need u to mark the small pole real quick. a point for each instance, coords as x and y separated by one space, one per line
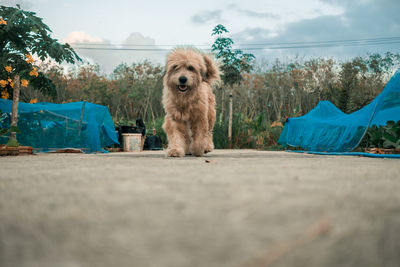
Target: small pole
230 120
14 114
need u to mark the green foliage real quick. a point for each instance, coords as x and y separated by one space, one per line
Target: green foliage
391 134
26 33
5 132
23 34
157 124
10 130
387 136
263 97
348 79
234 61
12 142
255 133
360 77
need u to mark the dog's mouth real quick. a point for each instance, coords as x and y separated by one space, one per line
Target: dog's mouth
183 87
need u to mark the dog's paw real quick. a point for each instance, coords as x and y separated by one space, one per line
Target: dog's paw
174 152
209 148
197 149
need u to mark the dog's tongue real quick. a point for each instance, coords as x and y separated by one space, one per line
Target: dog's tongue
182 87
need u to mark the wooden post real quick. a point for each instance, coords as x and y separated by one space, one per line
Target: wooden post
222 103
14 114
230 120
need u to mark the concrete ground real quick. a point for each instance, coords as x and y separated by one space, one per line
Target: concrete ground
231 208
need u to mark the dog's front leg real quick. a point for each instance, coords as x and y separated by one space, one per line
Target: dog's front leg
199 134
175 130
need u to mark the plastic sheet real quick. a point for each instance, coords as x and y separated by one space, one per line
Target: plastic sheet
327 129
49 127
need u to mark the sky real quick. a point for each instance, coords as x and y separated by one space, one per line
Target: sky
268 23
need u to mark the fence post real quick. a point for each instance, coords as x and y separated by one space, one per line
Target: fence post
230 120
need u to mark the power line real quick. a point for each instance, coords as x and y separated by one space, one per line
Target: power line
297 45
321 45
276 45
122 49
331 41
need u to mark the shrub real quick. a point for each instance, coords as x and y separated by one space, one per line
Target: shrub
387 136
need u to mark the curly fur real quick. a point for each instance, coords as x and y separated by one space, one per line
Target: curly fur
190 115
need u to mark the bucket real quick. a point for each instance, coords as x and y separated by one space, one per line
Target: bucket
132 142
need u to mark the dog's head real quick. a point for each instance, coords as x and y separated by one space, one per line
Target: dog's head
187 68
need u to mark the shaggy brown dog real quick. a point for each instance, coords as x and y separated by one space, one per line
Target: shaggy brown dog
189 102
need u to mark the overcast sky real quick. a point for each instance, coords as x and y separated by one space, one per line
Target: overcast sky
173 22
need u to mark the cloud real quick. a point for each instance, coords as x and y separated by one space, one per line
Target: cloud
253 14
95 50
81 37
216 15
206 16
360 20
261 15
136 38
138 41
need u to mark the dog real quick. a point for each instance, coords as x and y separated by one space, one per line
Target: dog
189 102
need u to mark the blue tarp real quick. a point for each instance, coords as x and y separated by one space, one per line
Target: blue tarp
328 129
360 154
49 127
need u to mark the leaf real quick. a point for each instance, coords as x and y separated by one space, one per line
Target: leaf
389 144
4 131
397 145
219 29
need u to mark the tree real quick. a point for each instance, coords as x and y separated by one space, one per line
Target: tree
234 63
22 35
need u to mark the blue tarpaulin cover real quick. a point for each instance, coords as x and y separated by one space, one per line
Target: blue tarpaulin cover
328 129
49 127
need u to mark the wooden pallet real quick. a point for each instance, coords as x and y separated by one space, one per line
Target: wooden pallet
15 151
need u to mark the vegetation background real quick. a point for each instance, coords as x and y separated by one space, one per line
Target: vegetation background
262 100
265 93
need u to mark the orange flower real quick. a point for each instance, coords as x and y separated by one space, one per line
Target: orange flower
33 72
5 94
8 68
10 82
24 83
3 83
33 101
29 58
2 21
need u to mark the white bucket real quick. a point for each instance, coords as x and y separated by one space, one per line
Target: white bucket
132 142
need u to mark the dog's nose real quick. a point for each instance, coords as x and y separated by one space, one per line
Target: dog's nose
182 79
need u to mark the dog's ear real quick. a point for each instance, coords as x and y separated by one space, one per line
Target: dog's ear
212 70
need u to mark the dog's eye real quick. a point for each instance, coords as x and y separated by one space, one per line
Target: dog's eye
174 67
190 68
